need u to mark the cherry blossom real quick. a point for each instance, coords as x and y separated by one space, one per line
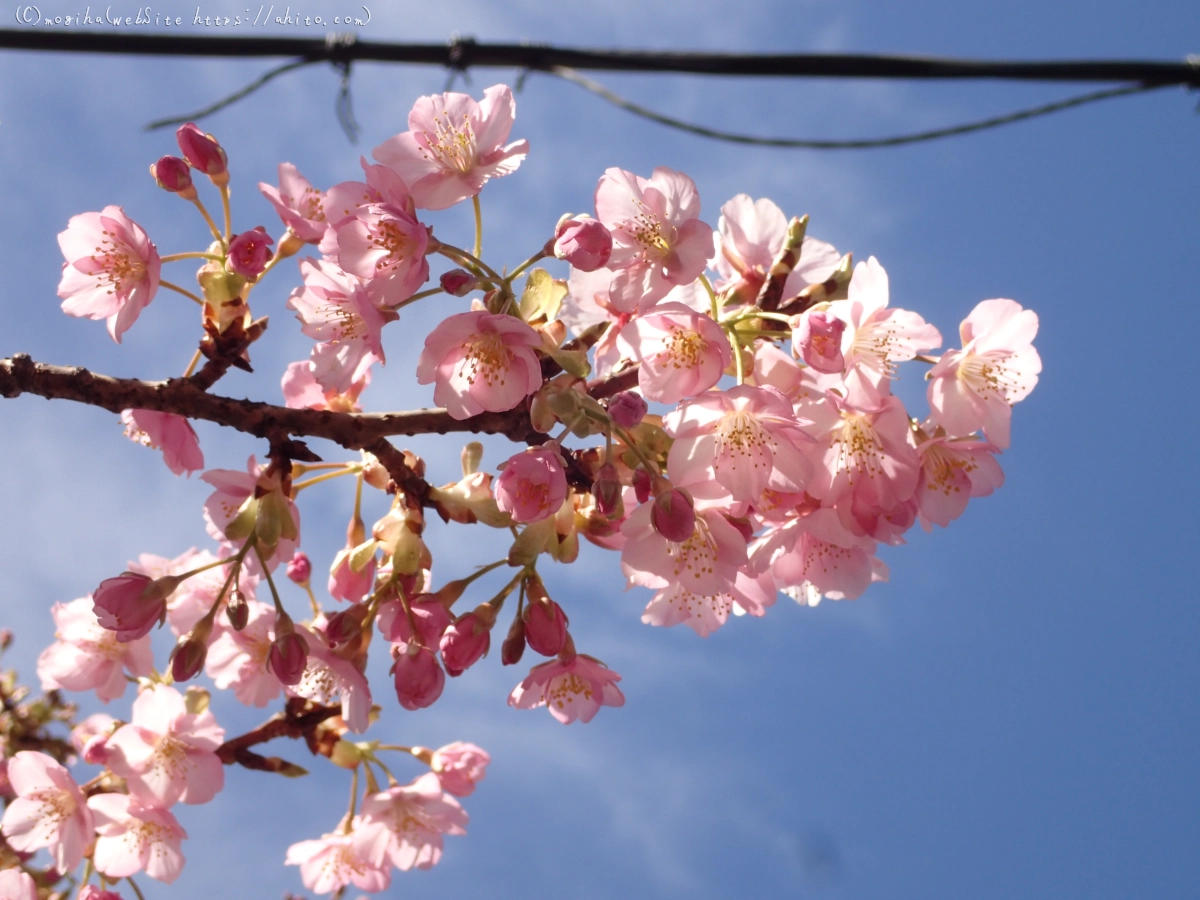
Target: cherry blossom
975 387
171 434
459 767
333 861
817 549
705 563
571 689
298 203
682 352
454 145
49 810
167 754
133 836
17 885
238 659
480 362
87 656
952 472
658 238
249 253
533 484
416 816
112 269
329 679
233 490
705 613
385 245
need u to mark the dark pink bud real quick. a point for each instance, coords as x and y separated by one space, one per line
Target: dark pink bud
300 569
641 485
673 515
249 252
419 678
513 647
458 282
131 604
91 892
187 660
237 610
584 242
817 339
428 612
343 627
627 409
464 643
172 174
607 489
545 627
288 657
96 751
202 151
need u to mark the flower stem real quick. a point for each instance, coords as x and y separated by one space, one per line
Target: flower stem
175 257
415 297
478 227
174 287
462 256
353 802
212 226
296 488
712 297
136 889
540 255
225 204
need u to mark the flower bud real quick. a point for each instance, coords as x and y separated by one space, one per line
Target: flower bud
131 604
91 892
419 678
641 485
584 242
472 456
464 643
172 174
237 610
187 659
627 409
458 282
673 515
249 253
817 339
343 627
96 751
606 488
299 569
513 647
545 627
288 657
203 152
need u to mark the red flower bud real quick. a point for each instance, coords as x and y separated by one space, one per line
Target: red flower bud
288 657
627 409
607 489
419 678
187 660
458 282
172 174
545 627
673 515
343 627
299 569
513 647
249 253
237 610
203 152
464 643
641 485
583 242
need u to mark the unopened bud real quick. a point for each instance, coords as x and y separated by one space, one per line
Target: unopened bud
187 660
513 647
96 751
288 657
172 174
299 569
673 515
419 678
607 490
249 253
203 152
464 643
343 627
627 409
458 282
545 627
641 485
584 242
237 610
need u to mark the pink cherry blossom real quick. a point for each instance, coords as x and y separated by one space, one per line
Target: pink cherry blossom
17 885
49 810
416 816
750 235
301 390
238 659
952 472
94 726
130 604
112 269
166 754
249 252
876 337
583 242
335 860
705 613
533 484
329 679
817 339
454 145
418 677
347 584
298 204
336 310
705 563
171 434
428 613
385 245
88 656
682 352
575 689
746 438
195 596
658 238
202 151
459 767
817 549
91 892
975 387
132 836
478 361
464 643
234 488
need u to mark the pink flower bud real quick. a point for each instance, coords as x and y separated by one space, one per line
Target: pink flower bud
96 751
91 892
249 253
237 610
583 242
288 657
513 647
607 489
464 643
172 174
817 339
187 660
545 627
641 485
532 486
458 282
459 767
300 569
343 627
131 604
202 151
673 515
419 678
627 409
428 612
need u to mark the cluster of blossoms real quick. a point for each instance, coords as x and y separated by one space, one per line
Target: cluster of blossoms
729 392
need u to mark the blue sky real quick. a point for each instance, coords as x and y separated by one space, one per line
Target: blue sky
1013 714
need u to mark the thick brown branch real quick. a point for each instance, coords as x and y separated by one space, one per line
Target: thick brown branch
292 723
